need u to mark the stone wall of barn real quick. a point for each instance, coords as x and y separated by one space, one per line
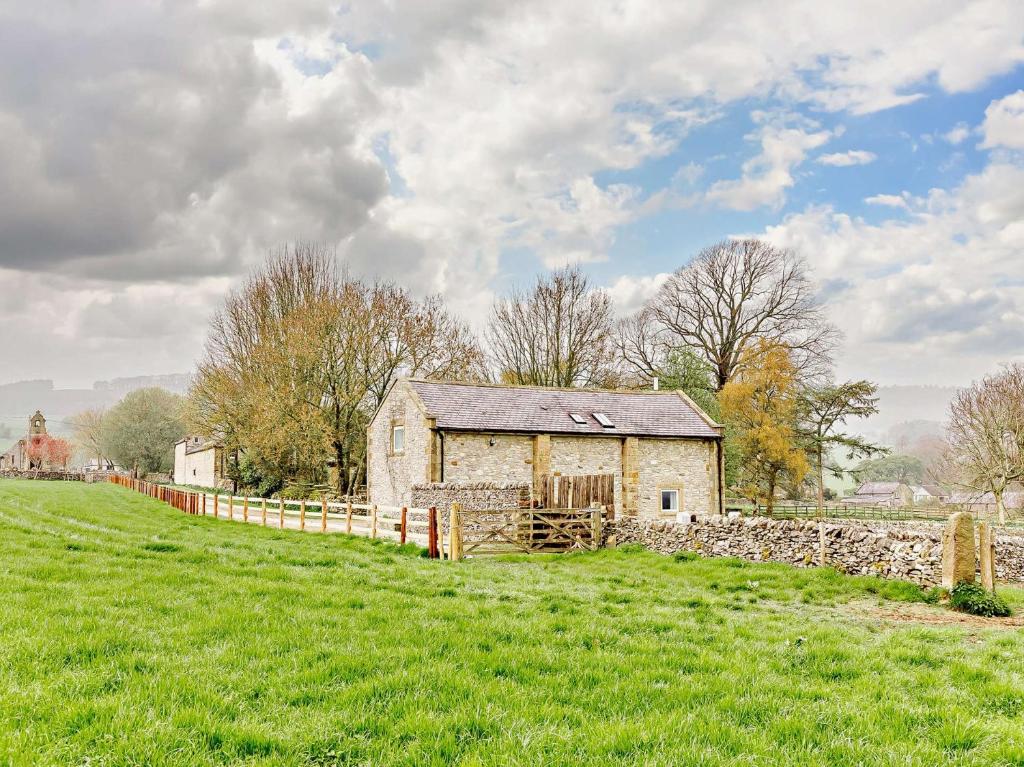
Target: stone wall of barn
689 466
390 475
908 551
473 496
470 457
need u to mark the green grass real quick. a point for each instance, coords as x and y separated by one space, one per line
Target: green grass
131 634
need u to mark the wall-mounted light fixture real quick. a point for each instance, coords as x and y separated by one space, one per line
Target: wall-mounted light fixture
491 441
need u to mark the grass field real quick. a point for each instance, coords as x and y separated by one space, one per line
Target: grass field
131 634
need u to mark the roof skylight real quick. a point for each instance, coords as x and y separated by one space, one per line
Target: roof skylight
578 418
604 420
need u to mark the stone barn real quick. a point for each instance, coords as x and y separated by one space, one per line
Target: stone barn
199 462
664 452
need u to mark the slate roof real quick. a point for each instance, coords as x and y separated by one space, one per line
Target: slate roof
878 488
541 410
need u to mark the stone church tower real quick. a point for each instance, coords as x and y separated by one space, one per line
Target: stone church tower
36 425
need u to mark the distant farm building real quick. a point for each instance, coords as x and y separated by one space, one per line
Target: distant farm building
893 494
199 462
664 453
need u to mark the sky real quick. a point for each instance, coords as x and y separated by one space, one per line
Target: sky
151 153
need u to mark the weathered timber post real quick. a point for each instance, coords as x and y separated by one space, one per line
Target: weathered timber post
405 524
822 555
302 515
348 517
373 523
432 532
204 504
231 506
958 561
596 528
216 500
323 513
245 509
280 513
455 533
986 555
263 512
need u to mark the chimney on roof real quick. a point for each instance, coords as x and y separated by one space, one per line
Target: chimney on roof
655 383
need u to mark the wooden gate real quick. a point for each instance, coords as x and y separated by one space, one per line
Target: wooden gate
528 530
559 491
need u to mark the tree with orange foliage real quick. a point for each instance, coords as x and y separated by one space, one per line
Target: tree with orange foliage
46 452
761 408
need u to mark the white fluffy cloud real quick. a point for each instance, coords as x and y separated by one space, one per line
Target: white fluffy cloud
767 176
935 297
1004 122
845 159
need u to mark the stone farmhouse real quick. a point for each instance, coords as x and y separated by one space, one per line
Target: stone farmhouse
664 452
16 458
199 462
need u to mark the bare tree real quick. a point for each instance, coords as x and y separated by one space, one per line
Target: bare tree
561 333
87 428
986 435
300 357
736 293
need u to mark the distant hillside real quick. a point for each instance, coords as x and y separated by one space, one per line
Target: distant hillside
907 412
18 401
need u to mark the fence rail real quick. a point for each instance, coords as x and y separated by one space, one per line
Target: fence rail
400 524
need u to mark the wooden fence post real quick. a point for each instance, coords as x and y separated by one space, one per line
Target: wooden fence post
280 513
323 513
204 504
455 533
263 512
302 515
231 506
245 509
348 517
432 532
405 523
373 522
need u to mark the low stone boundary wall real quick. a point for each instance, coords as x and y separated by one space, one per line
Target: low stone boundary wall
52 476
903 551
472 496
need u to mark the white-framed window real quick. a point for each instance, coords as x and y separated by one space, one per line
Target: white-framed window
398 438
669 501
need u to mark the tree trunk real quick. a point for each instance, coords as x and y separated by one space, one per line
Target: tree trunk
1000 508
821 484
769 508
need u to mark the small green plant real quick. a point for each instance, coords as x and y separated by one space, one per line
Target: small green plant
935 595
973 599
685 556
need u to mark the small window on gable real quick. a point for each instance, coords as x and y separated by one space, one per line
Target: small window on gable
604 420
670 501
397 438
577 418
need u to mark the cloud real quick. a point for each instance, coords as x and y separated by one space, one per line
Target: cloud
629 292
890 200
767 176
843 159
957 134
1004 123
934 297
164 147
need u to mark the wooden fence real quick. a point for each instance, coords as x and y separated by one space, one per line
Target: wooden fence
558 491
394 523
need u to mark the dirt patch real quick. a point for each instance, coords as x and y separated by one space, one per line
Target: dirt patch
914 612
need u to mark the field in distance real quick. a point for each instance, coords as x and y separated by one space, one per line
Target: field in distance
135 635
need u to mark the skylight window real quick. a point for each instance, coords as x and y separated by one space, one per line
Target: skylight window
578 418
604 420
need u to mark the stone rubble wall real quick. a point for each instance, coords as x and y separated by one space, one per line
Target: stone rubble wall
69 476
473 496
910 552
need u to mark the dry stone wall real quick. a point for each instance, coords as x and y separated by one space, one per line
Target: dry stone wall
69 476
907 552
473 496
